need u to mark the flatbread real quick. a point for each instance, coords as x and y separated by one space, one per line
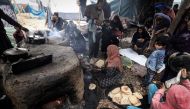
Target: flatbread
100 63
138 104
126 90
110 95
134 100
125 100
116 90
92 86
138 95
117 98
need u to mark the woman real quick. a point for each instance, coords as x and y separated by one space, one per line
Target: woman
113 59
177 96
117 27
111 75
140 39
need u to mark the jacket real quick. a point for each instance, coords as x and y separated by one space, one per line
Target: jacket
156 60
177 97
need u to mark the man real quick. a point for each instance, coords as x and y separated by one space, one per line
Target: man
5 43
95 17
57 22
82 4
107 9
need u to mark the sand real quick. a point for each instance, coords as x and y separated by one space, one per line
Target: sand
31 22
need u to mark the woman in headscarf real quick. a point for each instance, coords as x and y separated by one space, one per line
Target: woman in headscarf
117 27
140 39
113 58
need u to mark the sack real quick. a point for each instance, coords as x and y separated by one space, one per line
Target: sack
111 77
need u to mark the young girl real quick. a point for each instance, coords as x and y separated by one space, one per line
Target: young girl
113 59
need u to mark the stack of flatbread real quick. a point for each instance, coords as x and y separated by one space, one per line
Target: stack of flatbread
124 96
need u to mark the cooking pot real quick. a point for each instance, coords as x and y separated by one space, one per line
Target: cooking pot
14 54
36 39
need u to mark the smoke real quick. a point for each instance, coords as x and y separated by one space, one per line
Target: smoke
55 34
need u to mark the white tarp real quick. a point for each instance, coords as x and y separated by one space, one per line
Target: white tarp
131 54
66 6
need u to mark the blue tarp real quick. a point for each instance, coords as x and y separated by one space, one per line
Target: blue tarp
40 13
125 8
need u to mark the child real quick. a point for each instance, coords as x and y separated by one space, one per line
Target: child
114 60
156 60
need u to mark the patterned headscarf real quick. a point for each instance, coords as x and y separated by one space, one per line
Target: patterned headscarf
113 59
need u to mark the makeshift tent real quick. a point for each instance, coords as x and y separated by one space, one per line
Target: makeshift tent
67 9
30 6
7 7
125 8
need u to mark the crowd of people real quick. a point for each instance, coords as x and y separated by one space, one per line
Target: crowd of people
107 29
153 37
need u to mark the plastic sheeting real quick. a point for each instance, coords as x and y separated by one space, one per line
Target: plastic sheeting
35 12
125 8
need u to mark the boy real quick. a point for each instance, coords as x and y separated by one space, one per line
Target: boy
155 61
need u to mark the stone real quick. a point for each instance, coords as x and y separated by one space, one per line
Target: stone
33 88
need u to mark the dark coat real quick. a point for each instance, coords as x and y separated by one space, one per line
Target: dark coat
59 24
108 38
137 36
5 43
115 25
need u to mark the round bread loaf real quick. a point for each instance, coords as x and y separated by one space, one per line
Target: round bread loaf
116 90
92 86
117 98
134 100
126 90
125 100
138 95
100 63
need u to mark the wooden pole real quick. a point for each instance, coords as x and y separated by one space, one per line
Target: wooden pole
184 6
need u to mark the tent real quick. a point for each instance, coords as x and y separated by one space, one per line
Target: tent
67 9
7 7
125 8
34 7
